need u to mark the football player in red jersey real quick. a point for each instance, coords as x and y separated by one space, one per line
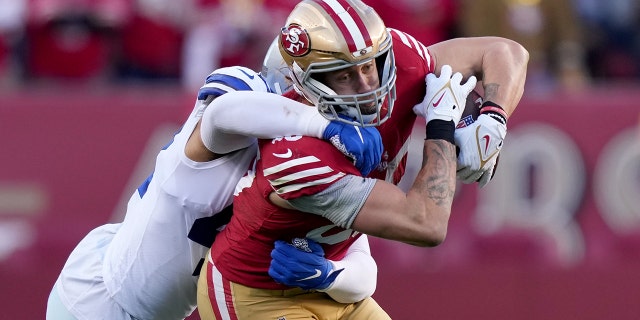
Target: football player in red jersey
302 191
343 60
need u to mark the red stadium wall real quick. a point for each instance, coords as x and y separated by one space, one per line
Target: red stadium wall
556 235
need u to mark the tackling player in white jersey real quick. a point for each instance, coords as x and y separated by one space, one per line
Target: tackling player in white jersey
147 266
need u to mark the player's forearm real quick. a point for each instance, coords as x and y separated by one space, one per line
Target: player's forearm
261 115
420 216
434 188
358 280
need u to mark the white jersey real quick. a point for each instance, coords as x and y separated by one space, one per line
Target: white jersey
146 266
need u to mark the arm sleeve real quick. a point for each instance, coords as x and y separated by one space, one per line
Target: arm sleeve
348 194
359 278
233 120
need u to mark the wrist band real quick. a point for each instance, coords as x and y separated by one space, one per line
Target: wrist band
441 129
494 111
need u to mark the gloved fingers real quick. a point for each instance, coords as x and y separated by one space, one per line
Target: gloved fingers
276 269
429 77
470 84
288 253
363 146
293 255
279 244
277 277
420 109
284 251
457 78
445 71
475 175
462 171
370 157
280 254
466 169
486 177
281 247
464 175
284 270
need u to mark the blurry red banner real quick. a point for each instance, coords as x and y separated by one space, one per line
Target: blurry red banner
556 234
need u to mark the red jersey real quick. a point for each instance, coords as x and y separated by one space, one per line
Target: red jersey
413 63
242 250
293 167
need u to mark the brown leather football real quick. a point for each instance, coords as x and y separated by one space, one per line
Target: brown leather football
471 109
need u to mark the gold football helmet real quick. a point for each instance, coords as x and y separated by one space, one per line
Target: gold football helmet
328 35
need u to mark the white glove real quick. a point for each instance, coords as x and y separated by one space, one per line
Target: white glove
479 144
446 96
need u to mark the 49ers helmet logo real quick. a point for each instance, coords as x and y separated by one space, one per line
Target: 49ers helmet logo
295 40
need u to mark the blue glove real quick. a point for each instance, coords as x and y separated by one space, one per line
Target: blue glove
301 264
362 144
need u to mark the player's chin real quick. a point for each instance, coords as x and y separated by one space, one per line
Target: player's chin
369 109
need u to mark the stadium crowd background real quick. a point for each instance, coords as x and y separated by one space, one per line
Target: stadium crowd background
573 42
90 89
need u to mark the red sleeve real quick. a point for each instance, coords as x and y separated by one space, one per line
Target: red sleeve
408 49
413 63
300 166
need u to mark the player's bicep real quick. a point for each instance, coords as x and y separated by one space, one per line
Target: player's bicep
468 61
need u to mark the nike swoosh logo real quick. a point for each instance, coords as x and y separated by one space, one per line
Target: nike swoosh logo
317 274
285 155
435 104
484 160
248 75
486 139
359 133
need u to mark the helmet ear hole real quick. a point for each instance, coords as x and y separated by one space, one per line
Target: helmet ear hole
319 76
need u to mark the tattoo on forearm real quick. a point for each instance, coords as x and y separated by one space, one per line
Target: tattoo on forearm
439 185
491 91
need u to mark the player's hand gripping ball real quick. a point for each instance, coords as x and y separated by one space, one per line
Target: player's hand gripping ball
446 95
479 139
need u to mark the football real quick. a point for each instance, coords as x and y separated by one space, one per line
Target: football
471 109
471 113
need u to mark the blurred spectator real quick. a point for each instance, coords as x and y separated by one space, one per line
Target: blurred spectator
549 29
12 22
430 21
72 39
614 43
152 40
228 32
